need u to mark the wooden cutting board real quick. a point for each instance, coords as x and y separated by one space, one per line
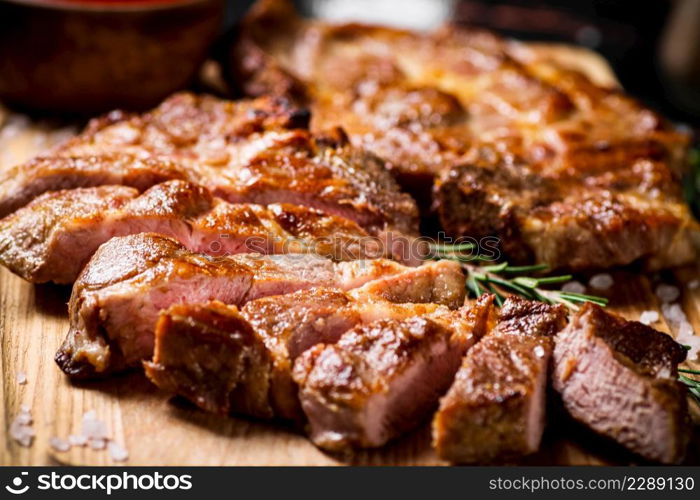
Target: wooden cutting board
159 431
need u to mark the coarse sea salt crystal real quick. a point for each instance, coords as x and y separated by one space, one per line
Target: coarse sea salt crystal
117 452
21 378
93 428
685 330
574 287
539 351
77 440
97 443
674 314
21 430
601 281
59 444
667 293
648 317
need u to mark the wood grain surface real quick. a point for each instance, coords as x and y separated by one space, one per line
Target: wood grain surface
157 430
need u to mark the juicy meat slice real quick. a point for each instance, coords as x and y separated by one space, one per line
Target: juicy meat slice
597 176
441 282
53 237
575 221
495 409
20 185
117 297
383 378
251 151
216 373
620 378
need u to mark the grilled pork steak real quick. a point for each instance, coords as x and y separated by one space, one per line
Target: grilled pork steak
203 352
495 409
564 171
258 151
53 237
117 297
383 378
620 378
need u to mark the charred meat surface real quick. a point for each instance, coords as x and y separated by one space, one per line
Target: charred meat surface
251 151
117 297
53 237
517 145
620 378
283 327
495 409
383 378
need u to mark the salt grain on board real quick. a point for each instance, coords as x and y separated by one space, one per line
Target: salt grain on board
21 378
667 293
649 317
601 281
59 444
97 443
117 452
21 427
77 440
574 287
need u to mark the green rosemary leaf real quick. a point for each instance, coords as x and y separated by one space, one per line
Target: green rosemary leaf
526 281
554 279
686 370
496 268
512 286
526 269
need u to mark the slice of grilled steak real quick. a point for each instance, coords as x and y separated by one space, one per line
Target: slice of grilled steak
117 297
278 329
253 151
53 237
383 378
620 378
579 220
495 409
596 179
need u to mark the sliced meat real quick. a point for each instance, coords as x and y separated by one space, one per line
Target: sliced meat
116 300
596 176
214 372
254 151
53 237
20 185
495 409
620 378
570 222
383 378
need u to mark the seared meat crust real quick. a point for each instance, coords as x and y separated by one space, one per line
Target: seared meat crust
129 280
620 378
53 237
495 409
251 151
562 170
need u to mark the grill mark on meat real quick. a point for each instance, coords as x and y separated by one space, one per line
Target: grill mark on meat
251 151
53 237
117 297
620 378
277 329
574 175
383 378
495 409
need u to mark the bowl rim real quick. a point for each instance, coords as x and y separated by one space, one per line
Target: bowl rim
113 6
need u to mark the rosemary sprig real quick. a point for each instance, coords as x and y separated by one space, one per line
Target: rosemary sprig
692 384
503 279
